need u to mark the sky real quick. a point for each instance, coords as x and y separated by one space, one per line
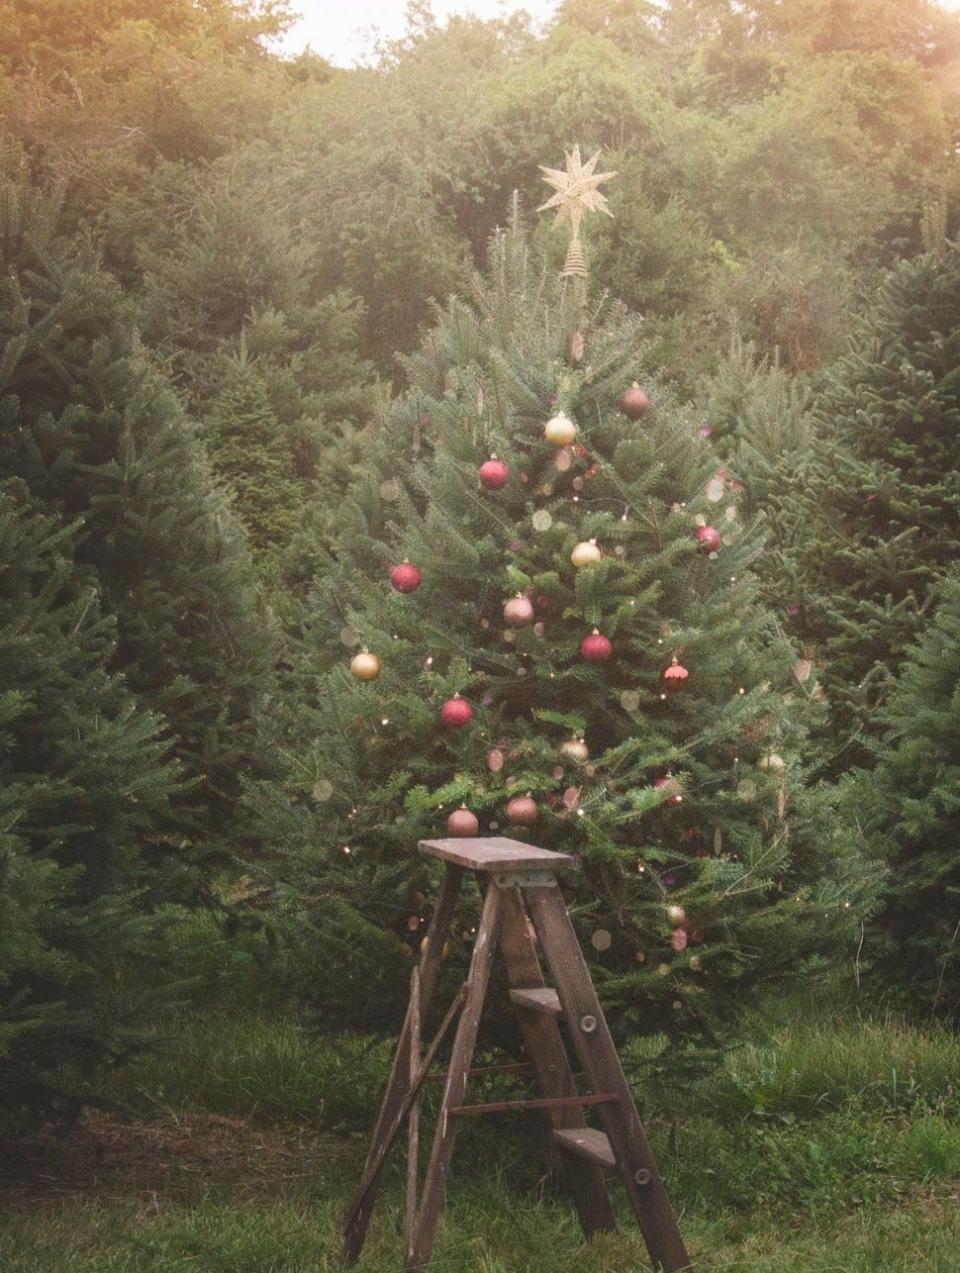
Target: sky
333 28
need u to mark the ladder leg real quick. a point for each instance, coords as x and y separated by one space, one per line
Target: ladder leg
413 1118
591 1037
435 1180
398 1083
544 1046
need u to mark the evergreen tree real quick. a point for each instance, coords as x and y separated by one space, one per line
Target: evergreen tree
706 869
866 524
86 784
251 452
98 437
909 809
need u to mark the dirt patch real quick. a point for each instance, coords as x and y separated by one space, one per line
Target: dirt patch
106 1158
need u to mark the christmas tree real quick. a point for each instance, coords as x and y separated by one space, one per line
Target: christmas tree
865 524
99 438
86 785
908 808
544 624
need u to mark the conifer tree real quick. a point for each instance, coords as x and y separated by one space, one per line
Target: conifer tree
909 808
99 438
251 452
86 784
574 652
865 525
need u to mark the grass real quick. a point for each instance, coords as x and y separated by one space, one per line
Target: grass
833 1147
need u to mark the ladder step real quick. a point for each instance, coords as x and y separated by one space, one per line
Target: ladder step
537 1102
587 1143
538 999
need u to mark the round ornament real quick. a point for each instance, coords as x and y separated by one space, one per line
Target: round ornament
674 677
462 822
521 811
595 648
601 940
455 713
518 611
586 553
576 749
679 939
676 914
708 538
405 577
675 794
773 761
365 666
560 431
634 403
494 474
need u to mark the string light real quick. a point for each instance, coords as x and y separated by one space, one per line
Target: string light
385 721
346 849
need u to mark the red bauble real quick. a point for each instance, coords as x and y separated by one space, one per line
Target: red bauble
674 677
455 713
634 403
676 795
463 822
709 539
518 611
595 648
522 811
405 577
494 474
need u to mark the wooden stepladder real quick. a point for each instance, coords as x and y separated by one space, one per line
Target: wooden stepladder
520 881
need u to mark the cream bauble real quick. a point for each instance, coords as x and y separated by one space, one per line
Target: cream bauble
560 431
586 553
365 666
576 749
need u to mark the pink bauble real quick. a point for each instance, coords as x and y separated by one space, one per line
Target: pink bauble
455 713
405 577
595 648
494 474
463 822
522 811
671 783
518 611
709 539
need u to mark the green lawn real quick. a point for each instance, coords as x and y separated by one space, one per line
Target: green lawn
836 1147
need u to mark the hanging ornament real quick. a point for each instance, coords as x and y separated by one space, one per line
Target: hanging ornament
494 474
601 940
676 914
577 343
708 538
773 761
365 666
675 794
560 431
704 431
518 611
456 712
595 648
522 811
679 939
405 577
634 403
674 677
462 822
576 749
586 553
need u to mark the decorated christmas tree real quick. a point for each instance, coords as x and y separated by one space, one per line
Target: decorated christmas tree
543 624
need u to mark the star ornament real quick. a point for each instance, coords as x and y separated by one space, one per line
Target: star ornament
576 189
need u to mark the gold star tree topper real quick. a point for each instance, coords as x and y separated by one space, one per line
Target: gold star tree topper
577 193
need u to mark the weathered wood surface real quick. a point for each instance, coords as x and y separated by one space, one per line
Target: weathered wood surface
601 1064
495 853
537 999
413 1122
587 1143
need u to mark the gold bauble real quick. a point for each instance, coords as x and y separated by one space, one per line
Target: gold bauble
576 749
365 666
560 431
586 553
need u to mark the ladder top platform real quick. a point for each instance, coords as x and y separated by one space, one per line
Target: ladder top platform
495 853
